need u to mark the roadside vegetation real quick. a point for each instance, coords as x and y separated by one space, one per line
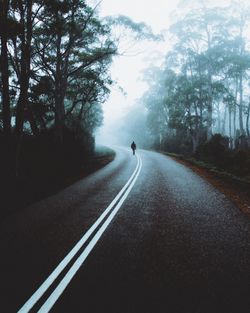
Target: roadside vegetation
55 59
44 173
203 86
215 157
197 103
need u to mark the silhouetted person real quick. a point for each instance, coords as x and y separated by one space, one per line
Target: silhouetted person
133 147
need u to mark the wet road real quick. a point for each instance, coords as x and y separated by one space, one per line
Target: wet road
175 244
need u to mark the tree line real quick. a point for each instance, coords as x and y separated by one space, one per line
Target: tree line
203 86
55 59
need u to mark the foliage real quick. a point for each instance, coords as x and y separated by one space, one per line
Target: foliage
66 59
214 151
202 87
55 61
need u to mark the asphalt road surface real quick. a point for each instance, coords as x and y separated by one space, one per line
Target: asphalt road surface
142 235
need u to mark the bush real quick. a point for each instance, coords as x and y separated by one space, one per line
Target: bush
42 157
214 151
180 144
44 166
240 163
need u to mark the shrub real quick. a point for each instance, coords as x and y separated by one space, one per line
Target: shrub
214 151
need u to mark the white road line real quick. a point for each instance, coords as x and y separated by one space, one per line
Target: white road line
62 265
78 263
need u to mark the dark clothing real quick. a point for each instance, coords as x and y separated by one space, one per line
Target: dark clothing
133 147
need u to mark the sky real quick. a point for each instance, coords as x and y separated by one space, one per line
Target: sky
127 70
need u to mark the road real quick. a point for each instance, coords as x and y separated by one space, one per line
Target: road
170 242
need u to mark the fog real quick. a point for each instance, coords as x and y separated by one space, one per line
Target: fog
128 70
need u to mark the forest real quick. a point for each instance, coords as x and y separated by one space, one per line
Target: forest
55 59
55 76
125 156
55 62
198 100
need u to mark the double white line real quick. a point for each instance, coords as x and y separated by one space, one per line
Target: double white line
102 224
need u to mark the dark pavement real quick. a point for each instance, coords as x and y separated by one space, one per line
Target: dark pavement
176 245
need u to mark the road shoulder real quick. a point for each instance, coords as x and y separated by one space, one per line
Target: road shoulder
237 191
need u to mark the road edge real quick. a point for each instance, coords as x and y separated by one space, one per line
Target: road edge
229 187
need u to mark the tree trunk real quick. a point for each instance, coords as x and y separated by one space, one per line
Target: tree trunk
219 119
241 106
195 142
230 125
32 121
210 91
235 109
210 106
59 116
224 121
4 69
59 99
247 120
26 21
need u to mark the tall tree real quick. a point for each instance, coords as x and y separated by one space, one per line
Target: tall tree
4 9
77 42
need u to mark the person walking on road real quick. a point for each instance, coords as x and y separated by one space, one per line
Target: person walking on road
133 147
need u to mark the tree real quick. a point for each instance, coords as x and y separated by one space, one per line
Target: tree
79 44
210 69
4 9
55 60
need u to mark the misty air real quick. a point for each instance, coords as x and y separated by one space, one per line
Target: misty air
125 156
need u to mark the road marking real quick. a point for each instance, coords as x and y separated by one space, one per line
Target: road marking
115 205
78 263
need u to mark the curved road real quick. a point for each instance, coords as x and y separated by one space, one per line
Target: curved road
169 242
